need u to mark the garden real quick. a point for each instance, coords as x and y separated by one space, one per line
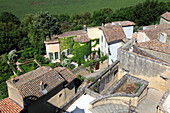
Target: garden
28 66
128 87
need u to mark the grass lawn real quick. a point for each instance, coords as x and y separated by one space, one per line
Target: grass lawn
22 7
27 67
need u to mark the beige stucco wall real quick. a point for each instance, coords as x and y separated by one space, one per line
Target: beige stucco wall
94 33
14 95
65 93
53 47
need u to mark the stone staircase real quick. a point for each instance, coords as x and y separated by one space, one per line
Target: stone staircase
110 108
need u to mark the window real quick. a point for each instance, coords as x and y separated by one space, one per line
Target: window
51 56
60 95
56 55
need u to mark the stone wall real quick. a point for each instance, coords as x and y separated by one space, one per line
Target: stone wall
144 68
105 78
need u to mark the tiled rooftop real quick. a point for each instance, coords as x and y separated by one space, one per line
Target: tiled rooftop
29 83
71 33
153 32
121 23
9 106
155 45
30 75
66 73
82 38
52 40
166 15
113 33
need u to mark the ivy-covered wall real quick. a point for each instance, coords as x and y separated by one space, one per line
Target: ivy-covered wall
66 43
81 50
78 49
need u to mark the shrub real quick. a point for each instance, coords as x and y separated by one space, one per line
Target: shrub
81 78
91 79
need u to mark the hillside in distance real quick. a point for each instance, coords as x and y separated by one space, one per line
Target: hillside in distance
22 7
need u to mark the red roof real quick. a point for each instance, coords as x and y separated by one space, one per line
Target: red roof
9 106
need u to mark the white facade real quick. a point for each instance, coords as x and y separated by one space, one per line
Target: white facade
128 30
103 44
109 49
113 52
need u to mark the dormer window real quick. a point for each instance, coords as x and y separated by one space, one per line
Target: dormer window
42 87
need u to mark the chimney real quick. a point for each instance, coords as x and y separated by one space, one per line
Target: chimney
85 28
119 23
41 85
156 26
102 25
113 23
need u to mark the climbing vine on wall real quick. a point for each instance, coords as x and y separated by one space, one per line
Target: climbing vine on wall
81 50
66 43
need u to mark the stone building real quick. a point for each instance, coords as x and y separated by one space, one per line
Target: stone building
101 96
42 90
147 60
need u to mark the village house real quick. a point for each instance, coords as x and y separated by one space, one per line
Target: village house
121 29
113 36
42 90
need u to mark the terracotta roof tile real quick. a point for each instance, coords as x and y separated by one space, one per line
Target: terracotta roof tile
166 15
113 33
82 38
155 45
52 40
30 75
32 88
121 23
29 83
66 73
9 106
153 32
71 33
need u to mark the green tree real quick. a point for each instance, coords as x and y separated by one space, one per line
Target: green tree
5 74
7 17
39 27
10 37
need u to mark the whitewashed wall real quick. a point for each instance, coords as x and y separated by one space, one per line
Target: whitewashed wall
128 30
113 50
103 45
